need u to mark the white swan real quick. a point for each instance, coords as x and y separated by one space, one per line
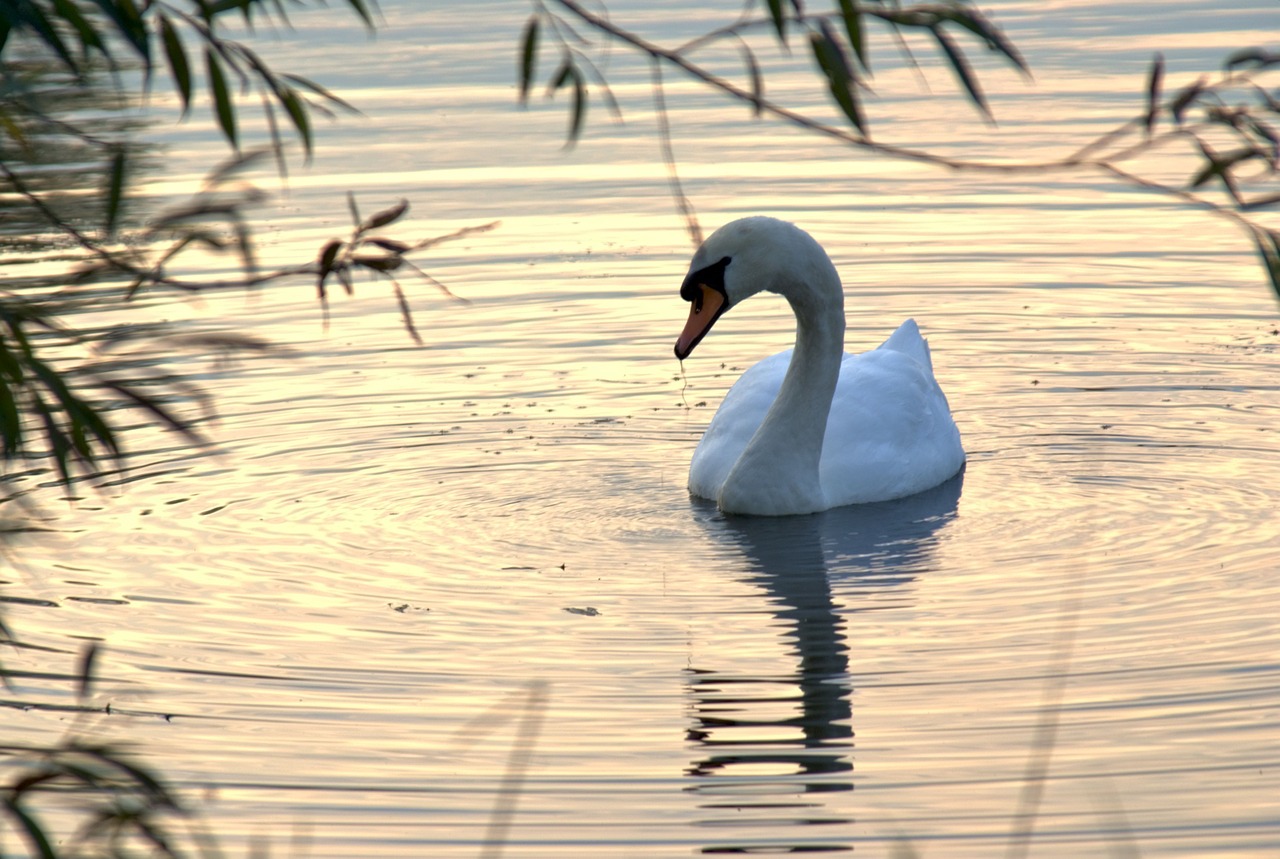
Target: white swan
811 428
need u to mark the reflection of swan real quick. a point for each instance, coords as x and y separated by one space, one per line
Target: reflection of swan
826 429
766 753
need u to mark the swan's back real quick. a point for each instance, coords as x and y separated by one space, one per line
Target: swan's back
889 434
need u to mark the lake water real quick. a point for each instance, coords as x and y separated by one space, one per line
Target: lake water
454 600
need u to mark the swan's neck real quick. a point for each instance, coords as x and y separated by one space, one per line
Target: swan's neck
778 471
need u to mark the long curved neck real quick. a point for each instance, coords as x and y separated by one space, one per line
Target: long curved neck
779 467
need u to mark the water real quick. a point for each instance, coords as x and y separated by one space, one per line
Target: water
418 595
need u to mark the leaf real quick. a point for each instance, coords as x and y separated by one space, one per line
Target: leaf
225 110
528 56
579 106
757 81
840 76
70 14
566 74
88 657
973 21
1178 107
179 67
381 264
386 216
363 11
1154 80
1251 58
297 111
853 27
963 72
1268 243
115 190
779 20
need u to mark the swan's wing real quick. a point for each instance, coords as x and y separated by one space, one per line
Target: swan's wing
735 422
908 340
890 433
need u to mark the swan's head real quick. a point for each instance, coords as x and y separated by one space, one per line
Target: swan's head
742 258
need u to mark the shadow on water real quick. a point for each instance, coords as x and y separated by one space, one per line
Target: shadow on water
773 745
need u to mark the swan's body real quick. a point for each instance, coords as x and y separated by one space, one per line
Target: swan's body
811 428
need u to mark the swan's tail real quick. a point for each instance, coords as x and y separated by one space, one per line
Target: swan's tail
907 340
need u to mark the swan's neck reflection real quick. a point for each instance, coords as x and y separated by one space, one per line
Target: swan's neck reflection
778 741
788 734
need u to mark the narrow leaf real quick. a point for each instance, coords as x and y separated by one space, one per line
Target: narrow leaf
757 80
974 22
1154 81
852 15
961 67
85 671
1268 244
579 106
225 110
528 56
179 67
779 19
386 216
1188 95
840 77
115 190
297 111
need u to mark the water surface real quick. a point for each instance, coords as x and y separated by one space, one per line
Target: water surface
407 570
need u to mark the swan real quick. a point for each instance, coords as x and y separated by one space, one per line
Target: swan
811 428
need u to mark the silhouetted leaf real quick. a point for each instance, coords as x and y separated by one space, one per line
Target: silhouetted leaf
1154 80
1251 58
1178 107
853 27
973 21
386 216
362 9
1268 243
840 76
297 115
85 670
115 190
779 19
757 81
380 264
179 68
70 13
389 245
223 107
963 72
314 87
528 56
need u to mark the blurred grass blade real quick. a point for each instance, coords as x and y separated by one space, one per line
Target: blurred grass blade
1155 79
115 190
757 80
84 672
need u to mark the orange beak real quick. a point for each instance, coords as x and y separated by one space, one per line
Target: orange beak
704 310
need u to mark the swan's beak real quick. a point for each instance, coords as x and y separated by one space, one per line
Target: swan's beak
704 310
